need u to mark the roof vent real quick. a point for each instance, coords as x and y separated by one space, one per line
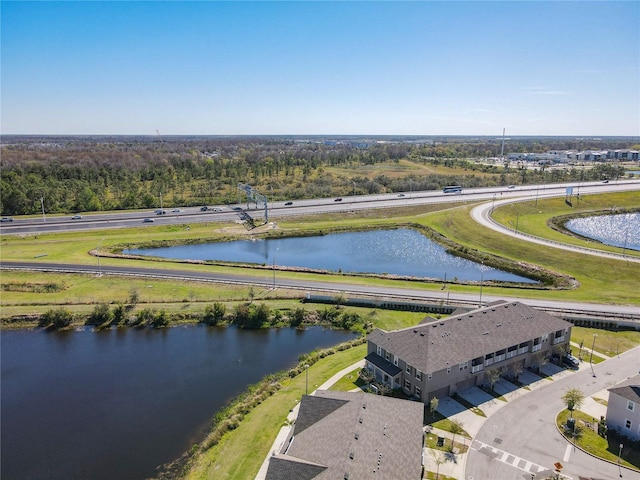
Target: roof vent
415 331
364 405
351 455
486 333
484 311
499 325
346 476
356 436
360 420
422 334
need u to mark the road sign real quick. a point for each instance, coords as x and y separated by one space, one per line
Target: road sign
558 466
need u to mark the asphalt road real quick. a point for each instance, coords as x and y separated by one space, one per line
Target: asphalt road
269 281
128 219
525 428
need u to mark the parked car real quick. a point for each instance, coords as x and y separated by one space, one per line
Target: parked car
148 220
338 199
76 217
288 204
6 219
570 361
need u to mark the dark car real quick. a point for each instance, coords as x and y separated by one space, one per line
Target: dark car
160 212
570 361
148 220
338 199
288 204
204 209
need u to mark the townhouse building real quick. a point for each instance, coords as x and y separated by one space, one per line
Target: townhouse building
440 357
623 408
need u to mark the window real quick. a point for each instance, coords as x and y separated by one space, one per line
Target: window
395 360
627 424
418 391
379 350
418 375
408 369
386 355
630 405
464 366
407 385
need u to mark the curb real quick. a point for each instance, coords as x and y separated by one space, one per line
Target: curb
589 453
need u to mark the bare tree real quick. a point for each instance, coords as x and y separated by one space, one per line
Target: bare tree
439 459
433 406
493 375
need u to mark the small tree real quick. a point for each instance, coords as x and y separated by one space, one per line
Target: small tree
573 398
515 369
101 315
456 429
58 318
433 406
439 459
214 314
493 375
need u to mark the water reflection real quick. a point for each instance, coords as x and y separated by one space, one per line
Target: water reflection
617 230
397 252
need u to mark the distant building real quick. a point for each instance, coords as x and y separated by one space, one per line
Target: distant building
352 436
440 357
623 408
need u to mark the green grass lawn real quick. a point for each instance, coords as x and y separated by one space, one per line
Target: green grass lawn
349 382
590 441
242 451
607 342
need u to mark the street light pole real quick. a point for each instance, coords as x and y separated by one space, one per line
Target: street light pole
306 380
44 218
619 453
274 268
481 282
591 356
354 190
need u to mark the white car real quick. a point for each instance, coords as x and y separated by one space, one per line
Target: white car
76 217
176 210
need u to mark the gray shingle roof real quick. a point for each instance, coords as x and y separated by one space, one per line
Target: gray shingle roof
433 346
383 364
366 433
629 389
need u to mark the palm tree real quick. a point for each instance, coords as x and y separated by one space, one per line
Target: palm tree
455 428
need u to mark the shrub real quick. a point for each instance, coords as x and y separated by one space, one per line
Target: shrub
101 315
58 319
214 314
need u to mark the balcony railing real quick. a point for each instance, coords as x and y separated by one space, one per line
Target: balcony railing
558 340
536 348
512 354
523 350
499 358
488 361
476 368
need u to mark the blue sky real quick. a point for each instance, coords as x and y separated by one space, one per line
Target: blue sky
414 68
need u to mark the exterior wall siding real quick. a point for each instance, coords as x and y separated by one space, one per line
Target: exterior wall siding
618 414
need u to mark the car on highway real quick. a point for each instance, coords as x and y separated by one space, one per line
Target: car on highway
288 204
338 199
76 217
160 212
217 209
6 219
605 181
511 187
176 210
148 220
401 194
204 209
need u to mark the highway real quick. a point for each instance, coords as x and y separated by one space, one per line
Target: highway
269 281
226 213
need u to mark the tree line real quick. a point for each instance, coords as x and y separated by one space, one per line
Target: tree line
77 174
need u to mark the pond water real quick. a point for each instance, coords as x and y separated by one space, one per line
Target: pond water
117 403
617 230
398 252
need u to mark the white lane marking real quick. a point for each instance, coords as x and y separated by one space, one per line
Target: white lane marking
567 453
